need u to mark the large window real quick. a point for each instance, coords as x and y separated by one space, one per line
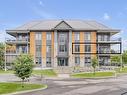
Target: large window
38 36
38 43
62 37
48 36
77 48
77 37
87 59
87 36
48 61
38 50
48 48
77 60
62 48
103 37
38 60
87 48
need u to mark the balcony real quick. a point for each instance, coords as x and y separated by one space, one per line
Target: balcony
111 40
17 41
15 52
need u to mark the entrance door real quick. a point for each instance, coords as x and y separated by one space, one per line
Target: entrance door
62 61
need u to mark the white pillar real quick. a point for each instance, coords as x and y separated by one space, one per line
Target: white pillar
70 61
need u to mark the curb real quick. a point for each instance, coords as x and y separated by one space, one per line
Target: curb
22 92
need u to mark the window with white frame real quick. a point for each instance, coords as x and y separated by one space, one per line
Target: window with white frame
77 36
87 36
77 60
48 61
48 48
38 36
87 48
87 59
48 36
77 48
62 48
62 37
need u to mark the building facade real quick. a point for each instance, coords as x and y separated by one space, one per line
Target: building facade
63 43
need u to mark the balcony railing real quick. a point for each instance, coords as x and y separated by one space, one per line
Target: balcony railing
17 41
108 51
111 40
15 52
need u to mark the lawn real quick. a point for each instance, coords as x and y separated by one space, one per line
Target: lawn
48 72
91 75
14 87
6 72
123 70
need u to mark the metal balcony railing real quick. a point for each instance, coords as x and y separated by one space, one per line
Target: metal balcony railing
110 40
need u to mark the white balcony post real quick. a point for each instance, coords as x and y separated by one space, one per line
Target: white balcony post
5 65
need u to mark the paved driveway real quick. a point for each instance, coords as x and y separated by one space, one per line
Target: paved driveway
111 86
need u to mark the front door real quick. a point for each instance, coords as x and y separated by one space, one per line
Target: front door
62 61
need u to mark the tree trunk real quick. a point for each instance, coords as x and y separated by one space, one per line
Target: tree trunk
22 83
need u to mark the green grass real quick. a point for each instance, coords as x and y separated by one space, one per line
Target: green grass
14 87
91 75
123 70
48 72
6 72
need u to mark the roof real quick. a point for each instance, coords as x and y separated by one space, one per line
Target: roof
73 24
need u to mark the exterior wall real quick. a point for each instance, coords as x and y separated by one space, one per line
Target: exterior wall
70 49
32 44
43 49
71 60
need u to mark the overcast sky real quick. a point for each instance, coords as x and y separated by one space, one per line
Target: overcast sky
112 13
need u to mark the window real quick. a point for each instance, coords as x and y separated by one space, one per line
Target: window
88 36
38 36
48 61
87 59
48 49
77 48
48 36
62 37
38 50
62 48
77 37
77 60
103 37
38 60
87 48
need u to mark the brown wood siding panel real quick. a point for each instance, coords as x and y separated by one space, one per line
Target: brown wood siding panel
93 47
44 45
32 43
81 40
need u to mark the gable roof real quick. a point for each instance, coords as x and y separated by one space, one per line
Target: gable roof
63 25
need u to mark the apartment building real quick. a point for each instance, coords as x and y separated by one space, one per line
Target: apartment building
63 43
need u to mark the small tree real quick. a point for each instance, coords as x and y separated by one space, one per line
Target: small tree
115 59
2 50
94 63
124 57
23 66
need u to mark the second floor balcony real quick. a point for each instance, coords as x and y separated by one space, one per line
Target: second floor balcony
110 40
17 41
